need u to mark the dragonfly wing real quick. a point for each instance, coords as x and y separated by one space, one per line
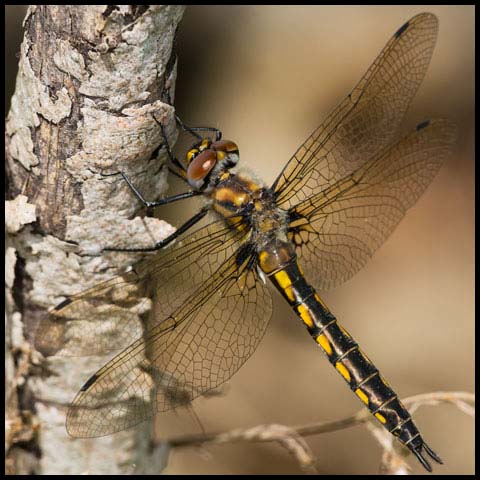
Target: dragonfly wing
107 317
367 120
337 230
196 348
94 322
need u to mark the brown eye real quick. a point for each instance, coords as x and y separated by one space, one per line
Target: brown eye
201 165
226 146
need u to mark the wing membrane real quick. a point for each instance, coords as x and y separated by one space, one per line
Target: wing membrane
338 230
106 317
198 347
367 120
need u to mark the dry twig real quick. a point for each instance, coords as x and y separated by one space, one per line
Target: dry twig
292 438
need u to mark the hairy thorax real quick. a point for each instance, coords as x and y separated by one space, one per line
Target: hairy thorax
247 204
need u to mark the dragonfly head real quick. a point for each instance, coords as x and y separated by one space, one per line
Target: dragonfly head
207 160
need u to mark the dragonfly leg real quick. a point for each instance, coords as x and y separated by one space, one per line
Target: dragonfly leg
163 201
193 130
183 228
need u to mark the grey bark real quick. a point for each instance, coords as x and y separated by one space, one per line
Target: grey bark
90 81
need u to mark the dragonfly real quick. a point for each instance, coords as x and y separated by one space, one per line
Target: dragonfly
206 301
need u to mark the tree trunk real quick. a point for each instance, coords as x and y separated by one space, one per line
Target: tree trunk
93 82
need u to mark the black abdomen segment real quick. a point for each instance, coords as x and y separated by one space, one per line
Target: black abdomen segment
348 359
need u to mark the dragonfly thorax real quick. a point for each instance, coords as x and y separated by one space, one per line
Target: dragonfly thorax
246 203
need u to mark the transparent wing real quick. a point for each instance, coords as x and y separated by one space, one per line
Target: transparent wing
337 230
367 120
201 343
107 317
97 321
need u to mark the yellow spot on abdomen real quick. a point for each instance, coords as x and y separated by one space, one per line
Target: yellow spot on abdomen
285 284
283 279
361 395
289 293
324 343
343 371
305 315
381 418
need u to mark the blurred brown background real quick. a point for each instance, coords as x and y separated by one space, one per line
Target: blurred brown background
267 75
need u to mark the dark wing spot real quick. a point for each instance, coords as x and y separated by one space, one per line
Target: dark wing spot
424 124
66 302
402 29
243 253
89 383
293 215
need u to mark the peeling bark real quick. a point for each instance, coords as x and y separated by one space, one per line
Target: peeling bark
91 80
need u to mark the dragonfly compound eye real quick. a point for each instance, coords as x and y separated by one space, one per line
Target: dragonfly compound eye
200 166
226 149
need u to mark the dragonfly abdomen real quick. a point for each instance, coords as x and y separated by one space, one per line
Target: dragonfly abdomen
341 349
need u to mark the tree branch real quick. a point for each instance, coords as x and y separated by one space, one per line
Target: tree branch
91 79
292 438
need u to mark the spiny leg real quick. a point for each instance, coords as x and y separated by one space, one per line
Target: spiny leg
193 130
183 228
163 201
